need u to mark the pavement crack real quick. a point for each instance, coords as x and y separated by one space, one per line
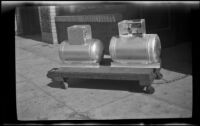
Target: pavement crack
118 99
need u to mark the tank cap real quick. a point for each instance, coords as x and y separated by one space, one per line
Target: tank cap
131 27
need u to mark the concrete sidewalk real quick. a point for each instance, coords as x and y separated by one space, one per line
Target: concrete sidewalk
90 99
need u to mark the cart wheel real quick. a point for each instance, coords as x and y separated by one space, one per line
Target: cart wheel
149 89
65 82
61 84
158 75
66 85
65 79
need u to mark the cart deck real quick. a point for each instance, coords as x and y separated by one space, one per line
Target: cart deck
145 76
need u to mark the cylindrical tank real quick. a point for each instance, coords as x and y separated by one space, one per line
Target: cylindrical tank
145 48
92 50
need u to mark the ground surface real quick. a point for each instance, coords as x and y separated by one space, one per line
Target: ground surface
38 99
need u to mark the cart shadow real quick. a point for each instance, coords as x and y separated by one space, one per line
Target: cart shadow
101 84
56 85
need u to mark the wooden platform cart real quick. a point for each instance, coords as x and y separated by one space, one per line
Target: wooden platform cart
145 76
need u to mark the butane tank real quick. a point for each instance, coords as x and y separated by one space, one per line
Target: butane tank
144 49
133 45
81 46
92 51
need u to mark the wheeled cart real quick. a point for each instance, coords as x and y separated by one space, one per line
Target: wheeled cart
145 76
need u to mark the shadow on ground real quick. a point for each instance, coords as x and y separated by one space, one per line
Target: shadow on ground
102 84
57 85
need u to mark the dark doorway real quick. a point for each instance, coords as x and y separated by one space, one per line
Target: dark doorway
30 22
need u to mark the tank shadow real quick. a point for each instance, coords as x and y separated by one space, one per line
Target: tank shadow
56 85
103 84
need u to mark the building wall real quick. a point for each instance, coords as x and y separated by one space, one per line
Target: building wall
47 23
18 21
171 24
30 20
53 25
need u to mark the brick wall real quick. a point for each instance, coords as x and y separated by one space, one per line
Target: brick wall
47 23
53 25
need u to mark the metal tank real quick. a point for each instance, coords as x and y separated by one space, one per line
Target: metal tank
81 48
133 47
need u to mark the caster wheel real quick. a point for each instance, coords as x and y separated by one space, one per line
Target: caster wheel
66 85
65 82
149 90
158 76
65 79
60 84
